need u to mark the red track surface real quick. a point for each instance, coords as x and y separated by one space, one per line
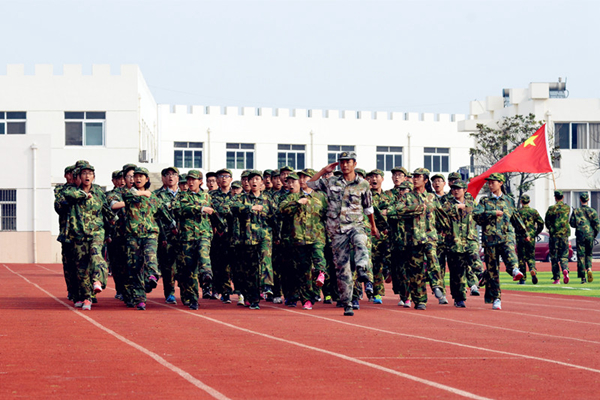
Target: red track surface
538 346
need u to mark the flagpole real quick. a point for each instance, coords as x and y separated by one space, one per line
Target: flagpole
554 180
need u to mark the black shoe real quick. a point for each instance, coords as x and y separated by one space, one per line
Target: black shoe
254 306
269 297
355 305
339 304
129 305
521 281
226 299
193 306
186 302
348 311
369 289
534 278
94 300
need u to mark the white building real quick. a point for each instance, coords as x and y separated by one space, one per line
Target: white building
50 120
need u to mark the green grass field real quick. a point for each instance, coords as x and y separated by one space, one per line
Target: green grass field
574 287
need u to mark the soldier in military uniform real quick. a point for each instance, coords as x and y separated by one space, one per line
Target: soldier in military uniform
349 199
526 249
192 209
585 221
62 207
461 233
498 219
557 222
211 181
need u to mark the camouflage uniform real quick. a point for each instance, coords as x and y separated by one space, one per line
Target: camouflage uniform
195 235
585 221
251 239
85 230
534 224
117 246
557 222
62 208
221 251
306 238
421 212
498 238
460 237
398 249
168 244
380 250
348 202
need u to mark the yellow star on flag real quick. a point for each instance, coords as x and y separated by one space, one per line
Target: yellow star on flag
530 141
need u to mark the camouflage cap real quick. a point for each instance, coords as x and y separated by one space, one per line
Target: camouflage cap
421 171
245 173
293 175
584 196
164 171
69 169
525 199
361 172
224 171
286 168
236 184
85 165
454 175
400 169
81 163
558 193
407 185
459 184
438 176
194 174
182 179
275 173
347 155
117 174
128 167
142 171
254 172
210 173
267 172
496 177
308 172
376 172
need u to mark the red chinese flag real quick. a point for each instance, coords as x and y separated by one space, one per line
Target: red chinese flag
531 156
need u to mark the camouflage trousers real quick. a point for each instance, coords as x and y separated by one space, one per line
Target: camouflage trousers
442 255
220 256
117 258
280 264
167 265
342 245
559 255
194 259
526 255
584 256
251 262
141 263
475 268
400 282
69 269
306 263
458 264
421 257
330 286
380 259
266 268
492 261
91 266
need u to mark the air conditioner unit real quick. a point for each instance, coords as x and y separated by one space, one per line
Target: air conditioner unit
144 156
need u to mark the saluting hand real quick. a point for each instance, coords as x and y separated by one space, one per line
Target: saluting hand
331 167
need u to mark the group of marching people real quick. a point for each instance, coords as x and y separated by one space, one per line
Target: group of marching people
284 236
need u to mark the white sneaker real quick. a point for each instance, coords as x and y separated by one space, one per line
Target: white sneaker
277 300
78 304
407 304
97 287
474 290
240 300
497 305
400 303
517 275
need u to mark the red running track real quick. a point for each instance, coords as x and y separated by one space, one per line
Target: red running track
538 346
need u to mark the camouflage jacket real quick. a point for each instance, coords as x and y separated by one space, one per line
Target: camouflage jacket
193 223
167 198
533 222
585 221
381 201
62 208
143 213
307 220
423 216
557 220
252 226
85 220
348 202
497 230
462 230
225 227
397 232
279 222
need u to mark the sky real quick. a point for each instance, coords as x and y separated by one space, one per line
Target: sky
403 56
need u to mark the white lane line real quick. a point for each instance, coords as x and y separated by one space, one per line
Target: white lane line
554 306
199 384
445 341
439 358
580 299
334 354
575 321
502 328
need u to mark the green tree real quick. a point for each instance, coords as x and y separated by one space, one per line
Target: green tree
492 144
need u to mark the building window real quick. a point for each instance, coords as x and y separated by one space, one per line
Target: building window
12 122
8 209
334 150
188 154
293 155
240 155
389 157
437 159
84 128
577 135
